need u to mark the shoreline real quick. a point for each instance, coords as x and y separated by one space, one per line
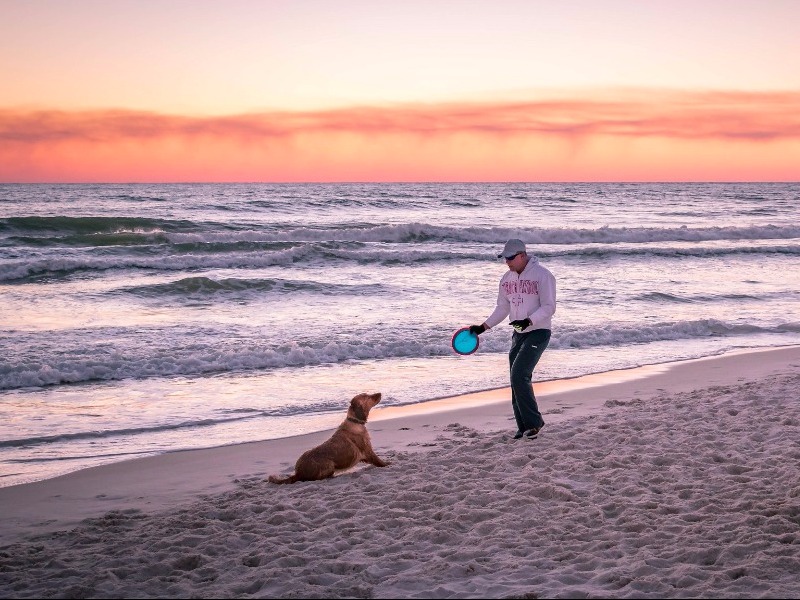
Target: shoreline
169 480
427 406
550 386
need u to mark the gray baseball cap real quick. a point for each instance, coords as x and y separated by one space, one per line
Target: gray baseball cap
512 247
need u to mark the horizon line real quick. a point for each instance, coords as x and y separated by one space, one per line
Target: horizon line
398 182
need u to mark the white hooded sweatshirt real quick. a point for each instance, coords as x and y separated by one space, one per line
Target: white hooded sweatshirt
527 295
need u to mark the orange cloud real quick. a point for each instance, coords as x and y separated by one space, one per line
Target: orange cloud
666 136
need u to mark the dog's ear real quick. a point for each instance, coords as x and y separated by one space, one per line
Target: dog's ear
358 410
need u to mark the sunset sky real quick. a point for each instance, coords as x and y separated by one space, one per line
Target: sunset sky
346 90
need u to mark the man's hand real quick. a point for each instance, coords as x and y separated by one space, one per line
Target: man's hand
520 324
477 329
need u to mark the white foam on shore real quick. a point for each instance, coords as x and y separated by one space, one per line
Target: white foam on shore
144 357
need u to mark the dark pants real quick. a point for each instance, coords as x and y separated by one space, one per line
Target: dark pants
526 349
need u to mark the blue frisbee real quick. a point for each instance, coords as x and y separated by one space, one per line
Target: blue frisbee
464 342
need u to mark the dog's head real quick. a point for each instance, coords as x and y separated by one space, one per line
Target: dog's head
362 404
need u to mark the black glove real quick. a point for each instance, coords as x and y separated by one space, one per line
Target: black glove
477 329
520 324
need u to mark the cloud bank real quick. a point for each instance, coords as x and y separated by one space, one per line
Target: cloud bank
715 115
636 135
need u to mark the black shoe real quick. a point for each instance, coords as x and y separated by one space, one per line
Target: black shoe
518 435
532 433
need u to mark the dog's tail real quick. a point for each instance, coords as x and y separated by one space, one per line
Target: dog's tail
287 479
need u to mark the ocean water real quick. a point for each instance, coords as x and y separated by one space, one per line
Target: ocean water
140 319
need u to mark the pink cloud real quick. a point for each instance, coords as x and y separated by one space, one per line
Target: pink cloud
691 115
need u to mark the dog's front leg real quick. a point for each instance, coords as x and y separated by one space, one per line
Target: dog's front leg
372 458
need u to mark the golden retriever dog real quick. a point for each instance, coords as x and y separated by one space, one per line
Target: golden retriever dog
349 445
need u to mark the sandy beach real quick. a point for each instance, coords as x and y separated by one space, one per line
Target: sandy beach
677 480
220 223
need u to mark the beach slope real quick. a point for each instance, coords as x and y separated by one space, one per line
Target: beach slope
682 484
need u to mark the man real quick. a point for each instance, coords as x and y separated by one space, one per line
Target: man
528 297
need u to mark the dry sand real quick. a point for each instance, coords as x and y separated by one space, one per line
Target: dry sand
672 481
